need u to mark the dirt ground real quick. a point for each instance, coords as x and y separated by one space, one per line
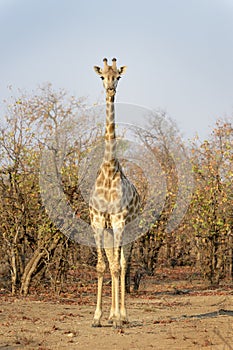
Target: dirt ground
159 319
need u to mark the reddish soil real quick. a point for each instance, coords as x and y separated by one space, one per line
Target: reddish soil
156 316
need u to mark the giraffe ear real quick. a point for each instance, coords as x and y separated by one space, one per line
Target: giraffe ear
122 70
98 70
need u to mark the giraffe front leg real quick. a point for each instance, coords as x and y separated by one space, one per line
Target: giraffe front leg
114 265
115 271
125 252
118 229
109 253
100 270
113 306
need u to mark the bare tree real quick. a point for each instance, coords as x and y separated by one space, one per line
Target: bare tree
29 238
162 137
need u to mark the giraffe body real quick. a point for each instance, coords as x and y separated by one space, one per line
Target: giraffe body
114 202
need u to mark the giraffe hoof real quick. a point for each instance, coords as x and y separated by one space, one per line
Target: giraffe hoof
96 324
117 324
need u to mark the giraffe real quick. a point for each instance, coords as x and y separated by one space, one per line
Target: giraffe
114 202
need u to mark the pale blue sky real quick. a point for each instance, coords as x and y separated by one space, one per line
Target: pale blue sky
179 53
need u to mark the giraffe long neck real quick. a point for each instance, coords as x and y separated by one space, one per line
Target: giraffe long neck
110 136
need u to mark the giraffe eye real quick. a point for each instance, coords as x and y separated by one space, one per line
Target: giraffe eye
102 77
118 78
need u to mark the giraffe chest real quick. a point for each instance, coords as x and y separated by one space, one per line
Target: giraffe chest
107 190
111 194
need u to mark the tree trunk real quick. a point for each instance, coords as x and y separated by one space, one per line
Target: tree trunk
29 270
14 272
33 263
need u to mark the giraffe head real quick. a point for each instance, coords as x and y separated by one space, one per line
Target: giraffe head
110 76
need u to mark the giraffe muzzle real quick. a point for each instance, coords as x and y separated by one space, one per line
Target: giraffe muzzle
111 91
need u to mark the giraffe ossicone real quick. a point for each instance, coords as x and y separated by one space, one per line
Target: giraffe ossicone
113 204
